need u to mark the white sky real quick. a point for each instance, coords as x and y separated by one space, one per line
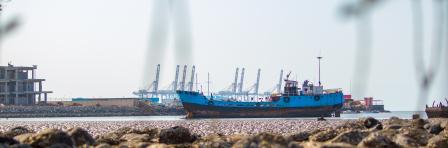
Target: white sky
96 48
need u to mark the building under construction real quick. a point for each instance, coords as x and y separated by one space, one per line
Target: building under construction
19 86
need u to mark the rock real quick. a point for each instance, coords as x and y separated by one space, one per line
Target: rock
324 135
377 127
49 137
175 135
418 123
111 138
136 137
182 145
420 135
232 139
376 140
352 125
23 137
371 122
444 124
160 146
262 140
136 140
405 141
81 137
397 121
60 145
124 144
8 141
17 131
142 144
245 143
394 126
325 145
103 145
434 128
20 146
152 132
389 133
124 130
294 144
437 142
416 116
271 138
350 137
316 131
299 137
336 145
212 142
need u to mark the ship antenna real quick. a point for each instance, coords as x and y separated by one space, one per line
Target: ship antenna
319 58
287 76
208 83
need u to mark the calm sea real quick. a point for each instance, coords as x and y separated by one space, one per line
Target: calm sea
400 114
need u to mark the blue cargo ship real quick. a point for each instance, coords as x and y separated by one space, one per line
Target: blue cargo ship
307 101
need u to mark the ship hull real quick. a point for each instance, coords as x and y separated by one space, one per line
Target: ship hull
205 111
437 112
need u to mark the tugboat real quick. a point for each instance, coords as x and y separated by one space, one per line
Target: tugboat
308 101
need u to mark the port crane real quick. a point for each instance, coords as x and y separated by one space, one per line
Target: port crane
277 88
168 93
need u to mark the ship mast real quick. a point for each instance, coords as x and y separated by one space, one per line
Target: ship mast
319 58
208 83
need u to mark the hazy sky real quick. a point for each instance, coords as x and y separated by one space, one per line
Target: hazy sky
96 48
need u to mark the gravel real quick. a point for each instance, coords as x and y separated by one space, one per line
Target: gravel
200 127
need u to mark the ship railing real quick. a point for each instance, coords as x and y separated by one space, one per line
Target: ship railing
333 90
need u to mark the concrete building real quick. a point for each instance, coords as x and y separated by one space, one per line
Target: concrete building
19 86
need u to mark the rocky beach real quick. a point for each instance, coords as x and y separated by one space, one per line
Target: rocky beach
365 132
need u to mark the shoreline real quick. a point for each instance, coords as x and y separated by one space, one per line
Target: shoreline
363 132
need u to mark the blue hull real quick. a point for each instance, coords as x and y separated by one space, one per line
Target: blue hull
199 106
